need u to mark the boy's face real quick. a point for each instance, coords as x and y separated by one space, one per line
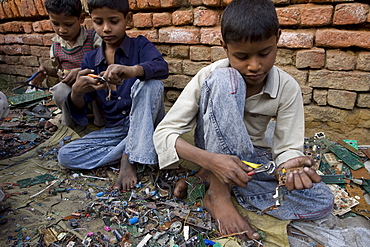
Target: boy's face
67 27
252 59
110 25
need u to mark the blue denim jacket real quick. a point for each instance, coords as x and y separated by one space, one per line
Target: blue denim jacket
132 51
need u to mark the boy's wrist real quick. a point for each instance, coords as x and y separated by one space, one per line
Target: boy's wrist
139 71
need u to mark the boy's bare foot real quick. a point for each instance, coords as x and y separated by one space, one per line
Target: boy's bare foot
49 126
226 215
127 177
181 187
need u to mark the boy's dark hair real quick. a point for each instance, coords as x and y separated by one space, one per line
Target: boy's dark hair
249 20
119 5
67 7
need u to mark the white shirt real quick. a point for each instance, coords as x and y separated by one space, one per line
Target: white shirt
280 98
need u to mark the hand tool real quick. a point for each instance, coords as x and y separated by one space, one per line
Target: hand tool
26 83
102 79
269 168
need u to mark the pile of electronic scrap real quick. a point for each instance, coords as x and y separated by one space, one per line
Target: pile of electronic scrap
344 166
23 129
146 216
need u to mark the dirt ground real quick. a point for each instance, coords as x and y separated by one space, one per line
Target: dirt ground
46 205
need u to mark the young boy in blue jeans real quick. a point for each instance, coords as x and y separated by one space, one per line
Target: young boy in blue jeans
131 98
232 102
69 46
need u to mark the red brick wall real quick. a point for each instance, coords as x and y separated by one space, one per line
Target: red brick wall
325 45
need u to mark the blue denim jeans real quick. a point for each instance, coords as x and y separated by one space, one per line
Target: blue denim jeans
134 138
220 129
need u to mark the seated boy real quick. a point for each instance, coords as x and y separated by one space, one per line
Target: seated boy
70 44
232 101
131 99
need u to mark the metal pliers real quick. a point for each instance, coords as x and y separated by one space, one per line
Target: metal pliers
269 168
26 83
102 79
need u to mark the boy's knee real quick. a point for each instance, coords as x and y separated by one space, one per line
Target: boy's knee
65 158
60 93
62 157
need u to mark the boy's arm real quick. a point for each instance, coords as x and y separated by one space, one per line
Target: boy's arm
289 138
227 168
151 65
115 73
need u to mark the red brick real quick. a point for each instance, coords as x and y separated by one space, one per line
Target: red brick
180 51
37 27
147 4
172 95
316 15
33 39
39 4
363 100
306 94
200 53
45 61
343 80
43 4
31 61
26 10
161 19
217 53
13 27
143 20
319 96
284 57
2 38
179 35
13 39
205 17
2 12
174 66
177 81
170 3
182 17
16 49
342 38
46 39
132 4
19 7
214 3
210 36
7 10
165 50
2 28
32 8
340 60
41 51
151 35
27 27
276 2
191 68
363 61
289 16
296 39
46 26
12 59
14 9
342 99
313 58
196 2
350 13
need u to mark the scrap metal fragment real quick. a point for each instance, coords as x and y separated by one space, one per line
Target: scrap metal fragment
342 201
